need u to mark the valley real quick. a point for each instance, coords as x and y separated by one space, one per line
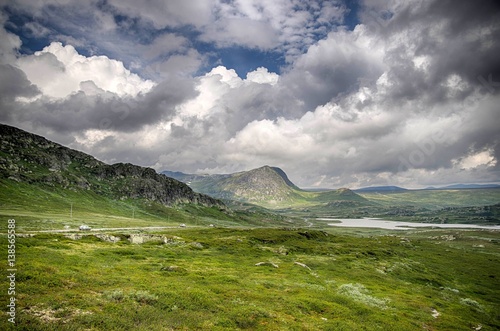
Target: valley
244 251
269 187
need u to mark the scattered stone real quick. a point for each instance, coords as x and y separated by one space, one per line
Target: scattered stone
73 236
173 241
197 245
302 265
266 263
142 238
435 313
173 268
50 315
107 237
24 235
14 179
454 290
170 268
282 250
136 239
44 314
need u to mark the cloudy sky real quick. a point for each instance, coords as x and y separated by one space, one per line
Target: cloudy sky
341 93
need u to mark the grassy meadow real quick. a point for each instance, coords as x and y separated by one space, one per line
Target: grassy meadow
207 279
236 269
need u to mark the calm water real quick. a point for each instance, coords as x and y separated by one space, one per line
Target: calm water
394 225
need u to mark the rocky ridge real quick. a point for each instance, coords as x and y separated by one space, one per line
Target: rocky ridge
32 159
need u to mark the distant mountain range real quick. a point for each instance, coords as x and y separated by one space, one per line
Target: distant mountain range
270 187
464 186
381 189
31 159
389 189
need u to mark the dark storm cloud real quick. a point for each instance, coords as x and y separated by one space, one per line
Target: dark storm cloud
79 111
253 102
455 37
334 67
14 83
481 129
408 96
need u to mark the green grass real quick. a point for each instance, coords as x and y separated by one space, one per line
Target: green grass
436 199
52 208
208 280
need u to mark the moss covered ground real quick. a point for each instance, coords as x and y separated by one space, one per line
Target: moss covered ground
207 279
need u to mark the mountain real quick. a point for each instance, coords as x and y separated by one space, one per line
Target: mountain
192 178
386 189
268 187
31 159
468 186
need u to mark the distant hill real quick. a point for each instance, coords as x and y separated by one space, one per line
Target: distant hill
175 175
468 186
263 186
31 159
268 187
381 189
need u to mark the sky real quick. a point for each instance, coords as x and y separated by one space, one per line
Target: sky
341 93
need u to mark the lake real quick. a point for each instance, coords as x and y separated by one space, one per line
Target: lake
395 225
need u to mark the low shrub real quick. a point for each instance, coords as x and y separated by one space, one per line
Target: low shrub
359 293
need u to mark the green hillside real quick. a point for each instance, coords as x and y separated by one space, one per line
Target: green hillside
48 186
436 199
268 187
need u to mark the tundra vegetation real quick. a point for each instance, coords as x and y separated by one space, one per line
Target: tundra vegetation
210 278
239 270
233 265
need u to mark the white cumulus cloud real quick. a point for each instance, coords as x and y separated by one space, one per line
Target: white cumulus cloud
60 71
